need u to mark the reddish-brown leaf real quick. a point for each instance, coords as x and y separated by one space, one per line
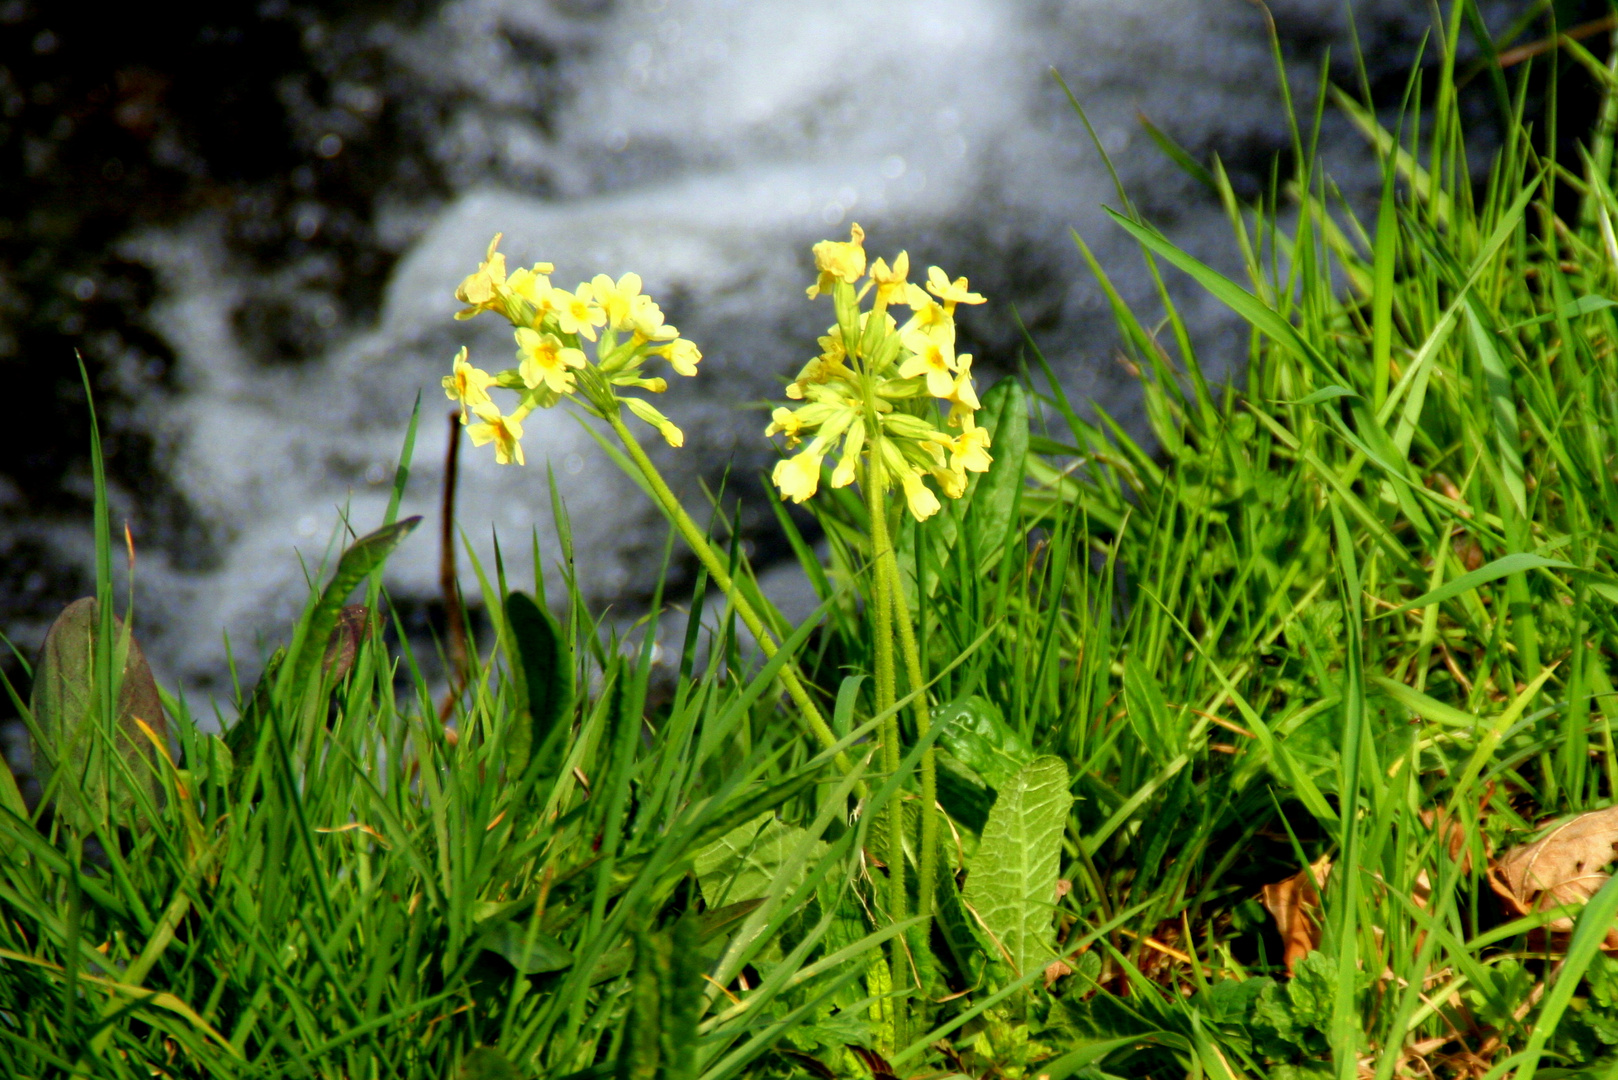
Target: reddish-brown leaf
1295 906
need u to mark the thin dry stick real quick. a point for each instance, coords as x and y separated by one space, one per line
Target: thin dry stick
448 579
1583 30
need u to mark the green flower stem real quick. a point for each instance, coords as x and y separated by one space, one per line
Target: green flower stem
927 861
882 601
721 577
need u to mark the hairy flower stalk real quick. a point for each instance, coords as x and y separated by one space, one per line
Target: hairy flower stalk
873 397
625 327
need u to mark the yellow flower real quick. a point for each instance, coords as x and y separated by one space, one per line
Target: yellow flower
951 482
784 421
843 474
798 476
482 290
467 383
823 368
576 311
951 292
543 359
969 451
891 287
923 503
617 299
534 286
682 356
504 431
932 355
838 261
647 320
962 397
929 314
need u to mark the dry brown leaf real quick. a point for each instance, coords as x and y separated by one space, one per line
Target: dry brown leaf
1055 970
1295 906
1564 867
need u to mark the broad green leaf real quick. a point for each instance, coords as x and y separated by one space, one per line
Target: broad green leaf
745 863
487 1063
545 668
960 932
665 1003
1510 564
1156 727
963 793
974 732
993 495
511 940
1012 883
363 556
1428 708
69 738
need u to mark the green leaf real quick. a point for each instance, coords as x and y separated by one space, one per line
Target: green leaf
974 732
534 956
745 863
487 1063
1262 317
1149 716
962 793
365 555
545 665
1328 393
68 735
992 500
239 740
961 934
1510 564
665 1002
1012 884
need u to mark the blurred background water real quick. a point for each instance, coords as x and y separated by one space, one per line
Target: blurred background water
249 225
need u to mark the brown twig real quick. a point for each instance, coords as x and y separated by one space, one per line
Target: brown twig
1583 30
448 579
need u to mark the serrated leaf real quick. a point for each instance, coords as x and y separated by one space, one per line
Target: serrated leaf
68 718
1012 883
545 670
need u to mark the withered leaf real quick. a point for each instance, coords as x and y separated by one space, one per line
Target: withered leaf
1295 906
343 646
1563 867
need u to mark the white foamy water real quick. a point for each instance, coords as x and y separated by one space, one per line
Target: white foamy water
704 146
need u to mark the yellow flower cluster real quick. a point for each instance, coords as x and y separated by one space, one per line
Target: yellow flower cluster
551 325
871 387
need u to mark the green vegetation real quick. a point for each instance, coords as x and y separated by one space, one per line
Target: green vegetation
1282 750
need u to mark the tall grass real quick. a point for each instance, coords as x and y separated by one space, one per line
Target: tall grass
1357 616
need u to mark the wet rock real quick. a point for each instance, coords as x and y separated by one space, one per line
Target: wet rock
252 228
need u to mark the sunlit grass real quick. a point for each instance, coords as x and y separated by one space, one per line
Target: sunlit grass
1358 615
